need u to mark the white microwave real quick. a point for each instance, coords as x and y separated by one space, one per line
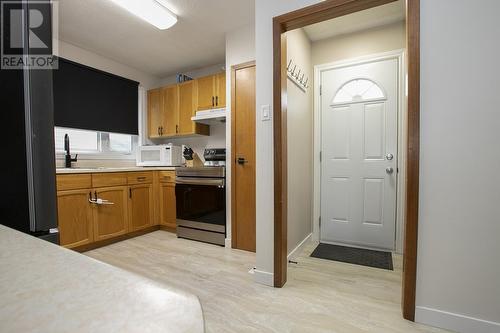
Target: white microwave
160 155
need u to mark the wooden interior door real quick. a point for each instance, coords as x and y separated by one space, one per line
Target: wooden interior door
220 98
140 206
167 205
154 113
187 107
243 157
206 92
75 218
111 220
170 110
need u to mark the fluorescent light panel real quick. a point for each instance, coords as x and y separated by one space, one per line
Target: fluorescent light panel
151 11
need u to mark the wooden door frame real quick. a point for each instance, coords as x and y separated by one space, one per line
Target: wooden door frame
234 68
327 10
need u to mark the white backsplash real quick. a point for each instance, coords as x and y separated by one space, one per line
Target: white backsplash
217 139
95 163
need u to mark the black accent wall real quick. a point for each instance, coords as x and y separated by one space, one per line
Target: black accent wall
88 98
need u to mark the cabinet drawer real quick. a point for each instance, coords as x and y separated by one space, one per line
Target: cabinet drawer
73 182
109 179
166 176
139 178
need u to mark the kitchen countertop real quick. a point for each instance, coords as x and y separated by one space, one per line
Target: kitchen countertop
62 171
46 288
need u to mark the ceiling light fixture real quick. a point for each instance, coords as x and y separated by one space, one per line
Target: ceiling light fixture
151 11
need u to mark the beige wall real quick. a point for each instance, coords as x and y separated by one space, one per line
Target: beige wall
82 56
300 126
458 280
371 41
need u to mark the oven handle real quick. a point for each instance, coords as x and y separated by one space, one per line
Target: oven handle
201 181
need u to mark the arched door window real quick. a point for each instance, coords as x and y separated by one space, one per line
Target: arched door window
358 90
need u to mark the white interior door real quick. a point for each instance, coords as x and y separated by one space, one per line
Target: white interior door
359 106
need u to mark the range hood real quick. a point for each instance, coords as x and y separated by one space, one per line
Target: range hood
210 117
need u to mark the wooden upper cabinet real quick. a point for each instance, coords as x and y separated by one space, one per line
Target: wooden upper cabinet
75 218
187 107
111 220
155 116
212 92
140 206
206 92
170 110
220 97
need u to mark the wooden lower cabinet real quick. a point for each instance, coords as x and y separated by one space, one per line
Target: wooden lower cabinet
133 202
167 205
140 206
75 218
111 219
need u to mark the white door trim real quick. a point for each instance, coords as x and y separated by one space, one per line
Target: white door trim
402 117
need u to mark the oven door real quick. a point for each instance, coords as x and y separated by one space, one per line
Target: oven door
201 203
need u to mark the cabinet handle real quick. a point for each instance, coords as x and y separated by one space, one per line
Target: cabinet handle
141 179
158 130
176 129
130 192
213 102
216 100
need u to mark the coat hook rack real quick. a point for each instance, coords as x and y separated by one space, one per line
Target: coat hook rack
295 76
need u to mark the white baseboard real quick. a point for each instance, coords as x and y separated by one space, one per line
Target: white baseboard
228 243
295 252
264 278
453 321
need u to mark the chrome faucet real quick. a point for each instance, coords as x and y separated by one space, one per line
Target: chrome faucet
67 157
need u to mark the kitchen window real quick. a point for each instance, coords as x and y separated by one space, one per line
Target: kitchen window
94 143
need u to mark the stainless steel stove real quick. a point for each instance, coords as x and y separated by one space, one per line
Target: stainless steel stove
201 200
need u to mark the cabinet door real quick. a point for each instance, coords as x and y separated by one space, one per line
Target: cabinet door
154 112
111 219
220 98
75 218
187 107
170 110
140 206
167 205
206 92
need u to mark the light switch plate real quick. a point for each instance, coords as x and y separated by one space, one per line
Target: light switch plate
265 112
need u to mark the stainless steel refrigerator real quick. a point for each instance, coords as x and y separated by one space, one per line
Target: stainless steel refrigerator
28 186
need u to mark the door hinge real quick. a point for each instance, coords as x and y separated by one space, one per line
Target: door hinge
320 156
321 90
320 221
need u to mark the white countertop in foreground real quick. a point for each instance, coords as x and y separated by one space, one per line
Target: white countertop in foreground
111 169
45 288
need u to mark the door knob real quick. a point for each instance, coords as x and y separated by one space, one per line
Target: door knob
241 160
389 157
389 170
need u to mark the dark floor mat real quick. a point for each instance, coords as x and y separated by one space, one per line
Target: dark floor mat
351 255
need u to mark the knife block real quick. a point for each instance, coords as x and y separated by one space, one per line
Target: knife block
196 162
